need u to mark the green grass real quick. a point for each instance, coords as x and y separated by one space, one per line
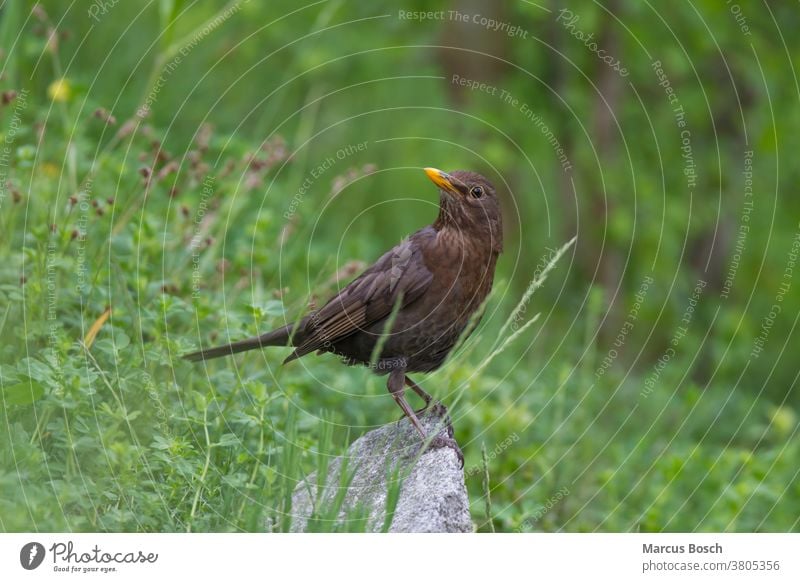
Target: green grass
121 435
103 426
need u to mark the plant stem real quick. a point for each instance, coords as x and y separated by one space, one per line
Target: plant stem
486 493
203 473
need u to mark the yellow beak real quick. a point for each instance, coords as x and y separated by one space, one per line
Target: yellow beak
444 180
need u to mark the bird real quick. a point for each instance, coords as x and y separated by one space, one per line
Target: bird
412 305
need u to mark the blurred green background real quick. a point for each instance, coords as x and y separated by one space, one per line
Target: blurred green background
195 167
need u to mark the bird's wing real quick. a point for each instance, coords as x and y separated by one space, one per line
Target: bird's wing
368 298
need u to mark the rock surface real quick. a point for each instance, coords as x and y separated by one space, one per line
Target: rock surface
432 498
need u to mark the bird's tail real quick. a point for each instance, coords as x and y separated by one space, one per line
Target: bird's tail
278 337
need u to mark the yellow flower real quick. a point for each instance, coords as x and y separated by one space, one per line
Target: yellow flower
50 170
59 90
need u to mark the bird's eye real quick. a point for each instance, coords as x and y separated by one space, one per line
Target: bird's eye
476 192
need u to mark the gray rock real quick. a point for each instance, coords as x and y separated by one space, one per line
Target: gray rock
432 494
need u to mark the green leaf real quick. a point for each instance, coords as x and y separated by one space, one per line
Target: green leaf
23 393
228 440
121 340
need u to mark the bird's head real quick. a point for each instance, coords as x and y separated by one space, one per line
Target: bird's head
468 202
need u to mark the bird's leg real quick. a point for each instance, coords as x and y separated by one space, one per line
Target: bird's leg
421 393
438 408
396 386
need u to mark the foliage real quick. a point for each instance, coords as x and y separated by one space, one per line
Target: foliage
213 213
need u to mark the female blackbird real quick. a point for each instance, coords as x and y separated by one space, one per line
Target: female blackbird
413 303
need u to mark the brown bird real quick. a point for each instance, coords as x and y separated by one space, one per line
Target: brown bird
414 302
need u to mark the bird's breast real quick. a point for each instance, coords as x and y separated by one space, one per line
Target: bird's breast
463 267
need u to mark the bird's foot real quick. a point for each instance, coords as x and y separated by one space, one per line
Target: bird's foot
441 411
441 441
445 438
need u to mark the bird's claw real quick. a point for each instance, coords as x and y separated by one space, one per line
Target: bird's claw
441 411
441 441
